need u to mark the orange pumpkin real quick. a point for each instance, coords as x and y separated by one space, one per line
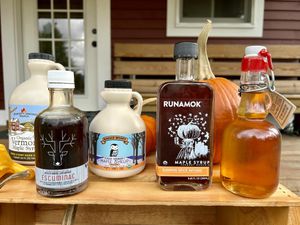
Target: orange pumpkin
150 123
225 93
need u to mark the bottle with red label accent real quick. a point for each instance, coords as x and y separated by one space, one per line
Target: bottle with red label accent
251 145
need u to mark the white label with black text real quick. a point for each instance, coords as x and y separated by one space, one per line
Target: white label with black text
61 179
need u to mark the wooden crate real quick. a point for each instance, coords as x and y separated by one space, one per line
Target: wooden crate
139 200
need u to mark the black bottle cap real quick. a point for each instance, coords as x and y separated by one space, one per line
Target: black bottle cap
117 84
186 50
37 55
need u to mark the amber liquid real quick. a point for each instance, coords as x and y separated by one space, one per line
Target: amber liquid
251 150
166 149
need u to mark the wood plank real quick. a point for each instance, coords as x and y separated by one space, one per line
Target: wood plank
294 216
143 50
17 214
219 68
282 6
281 15
228 51
132 192
140 14
253 216
281 25
90 214
278 34
133 4
137 24
138 33
289 88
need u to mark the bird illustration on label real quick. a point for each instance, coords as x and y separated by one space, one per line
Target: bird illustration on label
190 134
57 146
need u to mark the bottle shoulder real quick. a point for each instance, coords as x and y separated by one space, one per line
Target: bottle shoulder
31 93
117 121
61 113
252 128
185 89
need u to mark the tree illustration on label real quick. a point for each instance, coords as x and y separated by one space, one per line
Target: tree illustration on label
136 139
94 147
57 146
189 133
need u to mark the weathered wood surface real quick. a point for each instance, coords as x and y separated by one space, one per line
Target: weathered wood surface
225 69
115 202
143 190
227 51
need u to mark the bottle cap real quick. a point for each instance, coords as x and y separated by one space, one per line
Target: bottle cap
253 50
125 84
186 50
253 60
37 55
60 79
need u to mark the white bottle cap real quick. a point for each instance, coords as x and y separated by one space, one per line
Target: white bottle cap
253 50
60 79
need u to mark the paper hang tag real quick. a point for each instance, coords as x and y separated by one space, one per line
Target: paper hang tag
281 109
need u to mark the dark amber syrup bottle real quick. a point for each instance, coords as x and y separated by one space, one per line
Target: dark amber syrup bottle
184 137
61 141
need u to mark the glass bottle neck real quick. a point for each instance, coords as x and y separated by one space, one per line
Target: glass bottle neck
185 68
254 105
61 97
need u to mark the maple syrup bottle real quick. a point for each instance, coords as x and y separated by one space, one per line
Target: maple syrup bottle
61 153
184 136
251 145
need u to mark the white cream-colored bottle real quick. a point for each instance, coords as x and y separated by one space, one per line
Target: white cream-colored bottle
117 134
26 102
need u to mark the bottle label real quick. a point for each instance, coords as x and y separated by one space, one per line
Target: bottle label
281 109
117 152
61 179
184 137
61 152
21 131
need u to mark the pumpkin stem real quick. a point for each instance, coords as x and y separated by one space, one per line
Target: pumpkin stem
204 69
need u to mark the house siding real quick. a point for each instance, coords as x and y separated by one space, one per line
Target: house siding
141 21
1 75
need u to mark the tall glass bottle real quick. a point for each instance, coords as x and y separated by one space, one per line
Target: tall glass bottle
251 145
184 116
61 153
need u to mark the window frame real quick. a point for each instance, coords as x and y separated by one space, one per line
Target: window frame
254 28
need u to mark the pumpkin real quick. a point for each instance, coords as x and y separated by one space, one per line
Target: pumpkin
226 98
150 124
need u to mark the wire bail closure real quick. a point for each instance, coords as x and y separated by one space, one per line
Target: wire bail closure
269 77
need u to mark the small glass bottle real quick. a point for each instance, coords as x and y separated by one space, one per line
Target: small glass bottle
251 145
61 141
184 137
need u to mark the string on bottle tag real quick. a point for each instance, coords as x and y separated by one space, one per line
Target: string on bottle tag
270 82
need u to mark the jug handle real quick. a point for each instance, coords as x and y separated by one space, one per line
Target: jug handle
59 66
139 106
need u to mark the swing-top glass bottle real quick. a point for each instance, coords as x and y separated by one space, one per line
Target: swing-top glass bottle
251 145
